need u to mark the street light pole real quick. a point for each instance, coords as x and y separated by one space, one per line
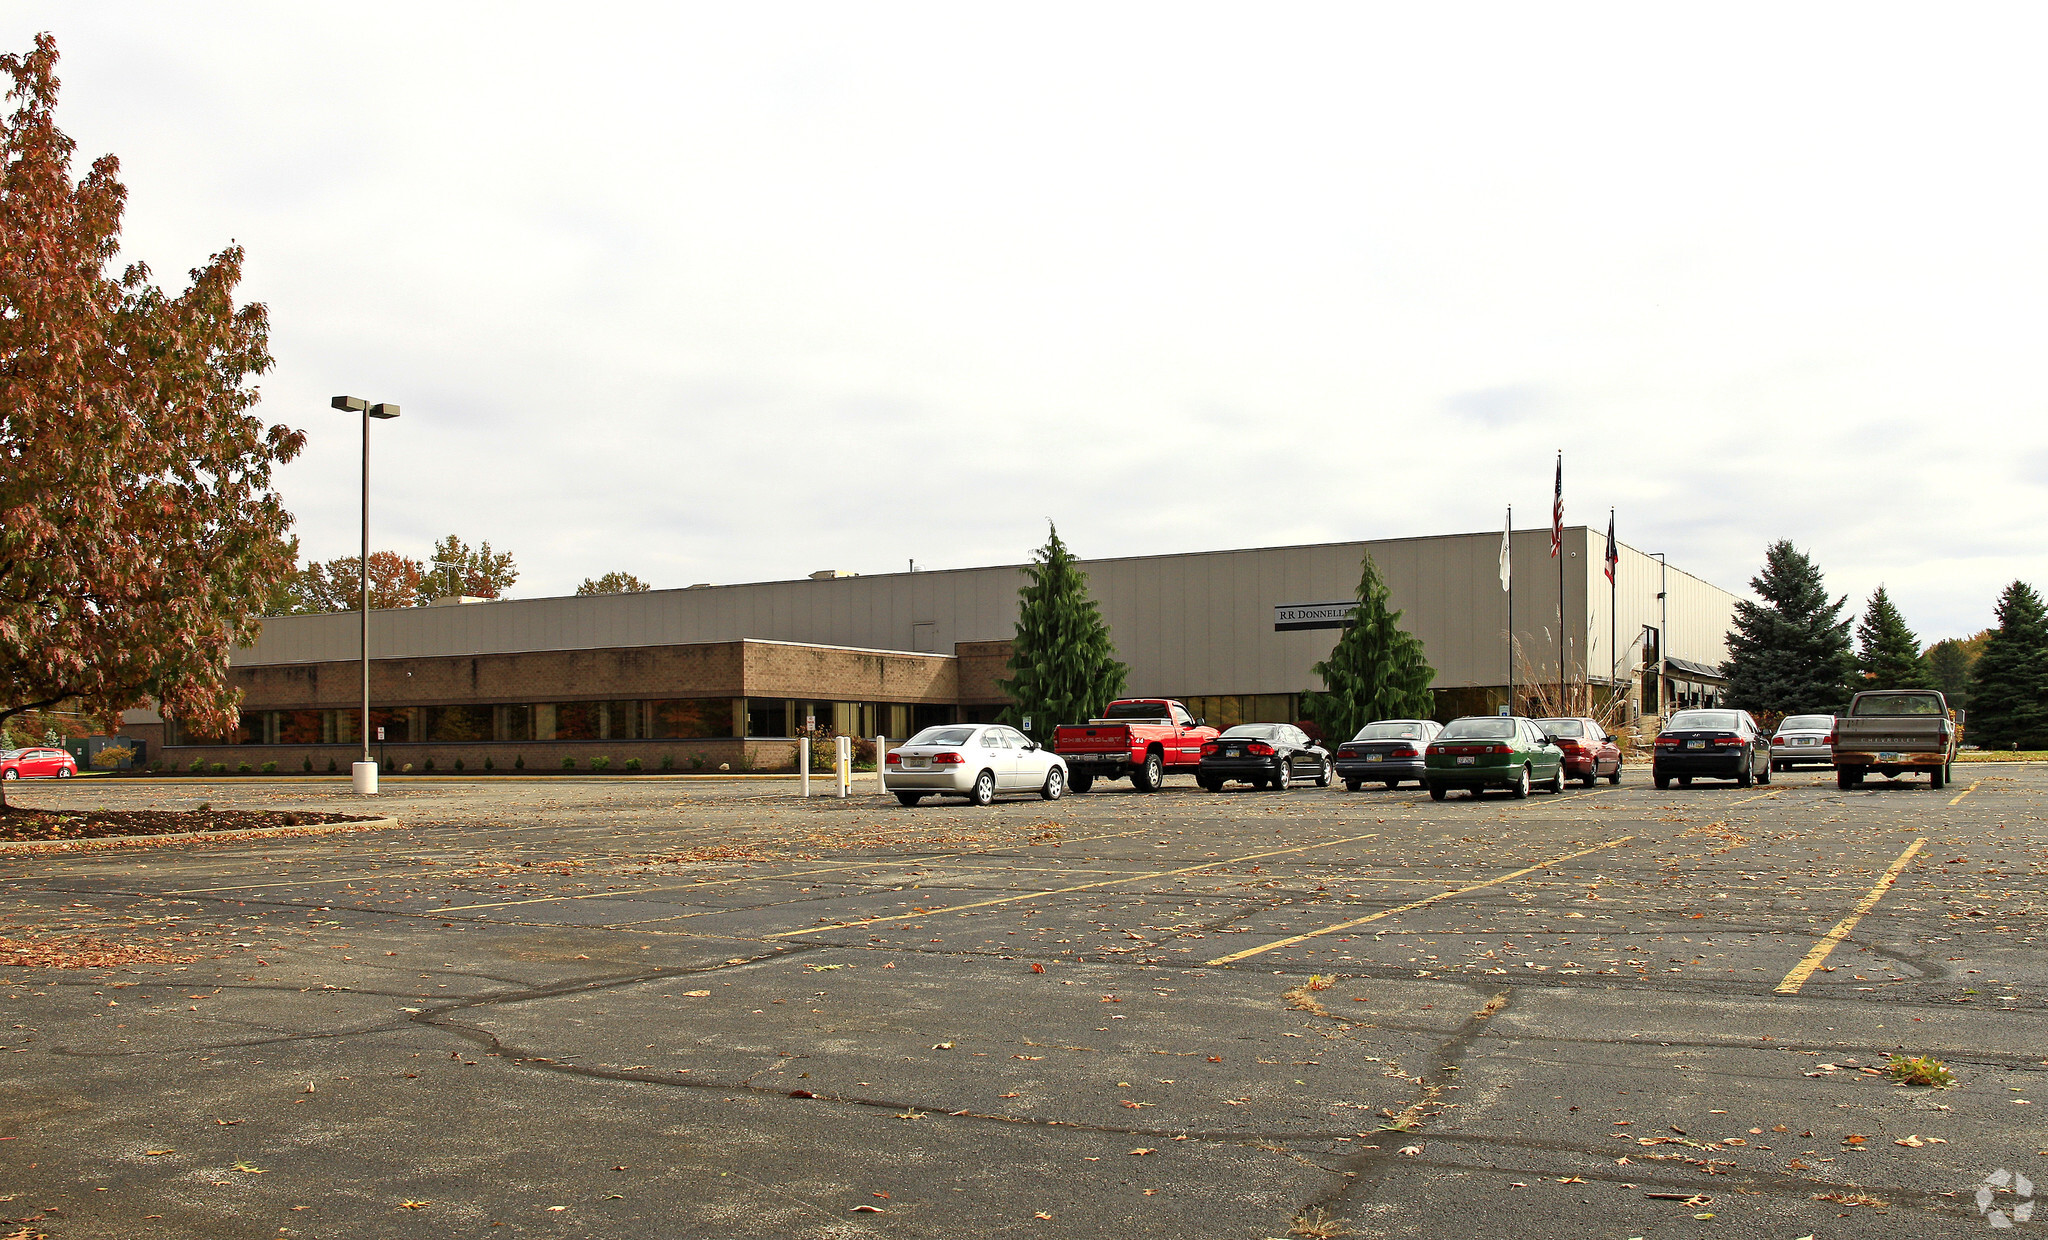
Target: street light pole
1663 626
365 771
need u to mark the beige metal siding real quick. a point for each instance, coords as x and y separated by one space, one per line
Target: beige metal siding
1194 624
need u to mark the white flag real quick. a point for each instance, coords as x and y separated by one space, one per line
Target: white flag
1506 564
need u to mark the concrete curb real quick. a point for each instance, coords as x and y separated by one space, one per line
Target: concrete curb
393 779
253 833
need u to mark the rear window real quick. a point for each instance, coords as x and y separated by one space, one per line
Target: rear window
941 736
1136 710
1480 728
1807 723
1896 704
1703 721
1406 730
1261 731
1562 727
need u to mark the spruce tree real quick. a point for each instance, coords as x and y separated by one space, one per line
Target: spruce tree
1887 652
1376 671
1950 662
2010 689
1790 653
1063 666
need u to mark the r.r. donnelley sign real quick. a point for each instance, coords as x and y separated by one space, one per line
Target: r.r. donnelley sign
1287 617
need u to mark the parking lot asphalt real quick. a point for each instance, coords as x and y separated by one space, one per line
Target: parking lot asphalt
657 1009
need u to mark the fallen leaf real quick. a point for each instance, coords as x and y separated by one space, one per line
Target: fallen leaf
867 1209
1041 1214
696 994
157 1153
1854 1139
1006 1095
227 1123
1215 1059
248 1169
1038 968
942 1046
414 1205
1913 1142
1143 1150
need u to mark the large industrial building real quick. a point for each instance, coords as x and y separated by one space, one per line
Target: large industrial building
730 675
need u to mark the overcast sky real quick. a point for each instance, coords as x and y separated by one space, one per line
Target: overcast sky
736 292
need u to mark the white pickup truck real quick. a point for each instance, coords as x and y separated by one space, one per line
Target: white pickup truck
1893 731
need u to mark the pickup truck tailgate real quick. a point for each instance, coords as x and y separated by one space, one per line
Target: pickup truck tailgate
1892 734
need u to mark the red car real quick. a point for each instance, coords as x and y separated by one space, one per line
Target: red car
1589 752
37 763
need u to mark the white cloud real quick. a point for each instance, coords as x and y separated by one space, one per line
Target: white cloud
730 293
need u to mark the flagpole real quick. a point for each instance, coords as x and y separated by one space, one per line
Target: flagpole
1557 518
1613 619
1508 539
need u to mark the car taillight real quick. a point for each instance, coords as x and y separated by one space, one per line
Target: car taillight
1777 740
1261 748
1500 749
1830 741
1434 749
1404 752
948 759
1571 746
1667 742
895 759
1730 740
1209 747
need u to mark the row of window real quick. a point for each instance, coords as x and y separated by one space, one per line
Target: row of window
660 719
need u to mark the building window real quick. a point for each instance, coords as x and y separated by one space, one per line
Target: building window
767 717
690 718
460 723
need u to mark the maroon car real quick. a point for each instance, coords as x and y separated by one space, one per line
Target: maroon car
35 763
1589 752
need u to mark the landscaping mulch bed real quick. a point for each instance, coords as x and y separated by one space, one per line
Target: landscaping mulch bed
45 825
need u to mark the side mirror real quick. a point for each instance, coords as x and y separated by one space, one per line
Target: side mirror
1029 743
1201 723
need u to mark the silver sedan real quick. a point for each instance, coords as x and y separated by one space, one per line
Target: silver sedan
973 760
1803 738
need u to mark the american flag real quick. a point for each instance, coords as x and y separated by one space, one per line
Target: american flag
1613 548
1557 512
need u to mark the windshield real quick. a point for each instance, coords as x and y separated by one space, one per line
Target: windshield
941 736
1395 730
1136 710
1896 704
1479 728
1262 731
1807 723
1702 720
1562 727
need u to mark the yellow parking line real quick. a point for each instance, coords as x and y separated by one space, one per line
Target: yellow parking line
1411 907
1060 891
1765 797
1813 959
1965 792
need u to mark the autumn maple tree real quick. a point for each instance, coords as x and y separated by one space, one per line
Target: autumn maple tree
139 531
337 585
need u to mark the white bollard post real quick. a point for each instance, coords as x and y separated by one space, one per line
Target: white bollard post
803 765
365 774
882 765
843 749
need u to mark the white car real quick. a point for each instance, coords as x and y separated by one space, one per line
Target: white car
973 760
1803 738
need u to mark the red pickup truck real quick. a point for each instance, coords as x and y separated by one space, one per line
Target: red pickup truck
1140 737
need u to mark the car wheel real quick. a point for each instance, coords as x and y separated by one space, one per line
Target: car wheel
984 789
1283 778
1556 784
1847 777
1663 782
1209 783
1520 788
1148 777
63 772
1614 776
909 798
11 774
1353 785
1685 781
1438 792
1592 776
1764 777
1935 780
1055 785
1323 779
1746 776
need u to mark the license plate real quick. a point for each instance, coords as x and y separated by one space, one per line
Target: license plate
1230 753
1373 757
915 762
1467 761
1887 757
1695 744
1802 740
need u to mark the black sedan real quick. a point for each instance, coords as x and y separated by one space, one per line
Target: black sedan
1264 755
1386 751
1711 744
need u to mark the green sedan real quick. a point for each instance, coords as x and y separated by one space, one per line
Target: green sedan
1492 751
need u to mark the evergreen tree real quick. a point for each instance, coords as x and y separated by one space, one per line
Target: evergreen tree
2010 681
1790 653
1887 652
1063 666
1376 671
1951 661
